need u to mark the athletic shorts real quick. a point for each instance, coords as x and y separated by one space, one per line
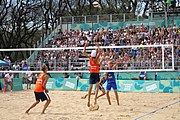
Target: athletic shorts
29 81
94 78
8 83
23 75
41 96
111 85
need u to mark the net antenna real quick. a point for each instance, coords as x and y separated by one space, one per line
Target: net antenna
161 55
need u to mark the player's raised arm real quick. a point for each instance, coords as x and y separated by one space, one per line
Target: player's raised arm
115 65
85 53
98 52
100 63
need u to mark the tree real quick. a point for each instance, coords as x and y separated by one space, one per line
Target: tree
19 24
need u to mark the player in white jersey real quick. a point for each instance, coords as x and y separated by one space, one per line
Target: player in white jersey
29 78
8 80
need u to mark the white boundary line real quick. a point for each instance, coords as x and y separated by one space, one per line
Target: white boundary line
138 118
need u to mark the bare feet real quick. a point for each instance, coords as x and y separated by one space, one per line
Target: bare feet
42 113
83 97
27 112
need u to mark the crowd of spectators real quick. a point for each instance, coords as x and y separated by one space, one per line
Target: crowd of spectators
131 58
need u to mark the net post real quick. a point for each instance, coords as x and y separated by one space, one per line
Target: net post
162 57
172 56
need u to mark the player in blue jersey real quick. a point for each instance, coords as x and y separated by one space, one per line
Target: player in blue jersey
142 75
111 82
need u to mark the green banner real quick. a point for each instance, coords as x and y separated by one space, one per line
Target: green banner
61 84
165 86
100 25
83 84
70 84
17 84
114 25
169 86
138 85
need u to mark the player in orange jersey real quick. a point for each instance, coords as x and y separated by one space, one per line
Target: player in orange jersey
40 90
94 71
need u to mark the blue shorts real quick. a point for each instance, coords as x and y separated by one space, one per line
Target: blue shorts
94 78
111 85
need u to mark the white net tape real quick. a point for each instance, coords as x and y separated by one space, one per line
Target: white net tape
72 60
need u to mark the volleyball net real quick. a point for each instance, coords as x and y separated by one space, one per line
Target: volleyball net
72 59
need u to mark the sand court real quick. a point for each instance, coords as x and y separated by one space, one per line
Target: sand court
68 105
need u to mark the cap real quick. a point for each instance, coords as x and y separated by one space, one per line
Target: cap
93 53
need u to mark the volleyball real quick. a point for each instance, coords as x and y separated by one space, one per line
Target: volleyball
93 108
96 4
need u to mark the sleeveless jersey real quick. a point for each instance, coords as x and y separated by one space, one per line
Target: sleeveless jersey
25 67
142 74
94 68
110 77
39 83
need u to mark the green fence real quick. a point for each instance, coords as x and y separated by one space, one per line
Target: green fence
126 75
114 25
